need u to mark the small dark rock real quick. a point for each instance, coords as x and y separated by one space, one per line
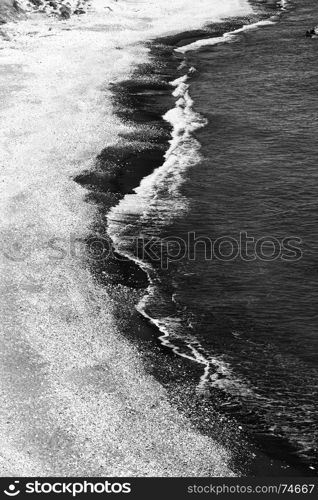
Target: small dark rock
65 12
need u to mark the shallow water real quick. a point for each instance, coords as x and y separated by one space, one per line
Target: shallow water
259 176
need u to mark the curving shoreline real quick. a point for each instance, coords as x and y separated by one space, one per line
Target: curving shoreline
78 400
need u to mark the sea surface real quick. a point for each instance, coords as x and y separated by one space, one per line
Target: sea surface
222 146
259 176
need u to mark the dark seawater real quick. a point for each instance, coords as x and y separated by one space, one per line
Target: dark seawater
259 175
234 341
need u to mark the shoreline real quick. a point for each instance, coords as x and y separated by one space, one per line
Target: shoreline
78 398
98 408
142 117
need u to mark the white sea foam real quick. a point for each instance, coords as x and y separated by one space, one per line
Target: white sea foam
156 202
227 37
231 35
158 195
217 373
